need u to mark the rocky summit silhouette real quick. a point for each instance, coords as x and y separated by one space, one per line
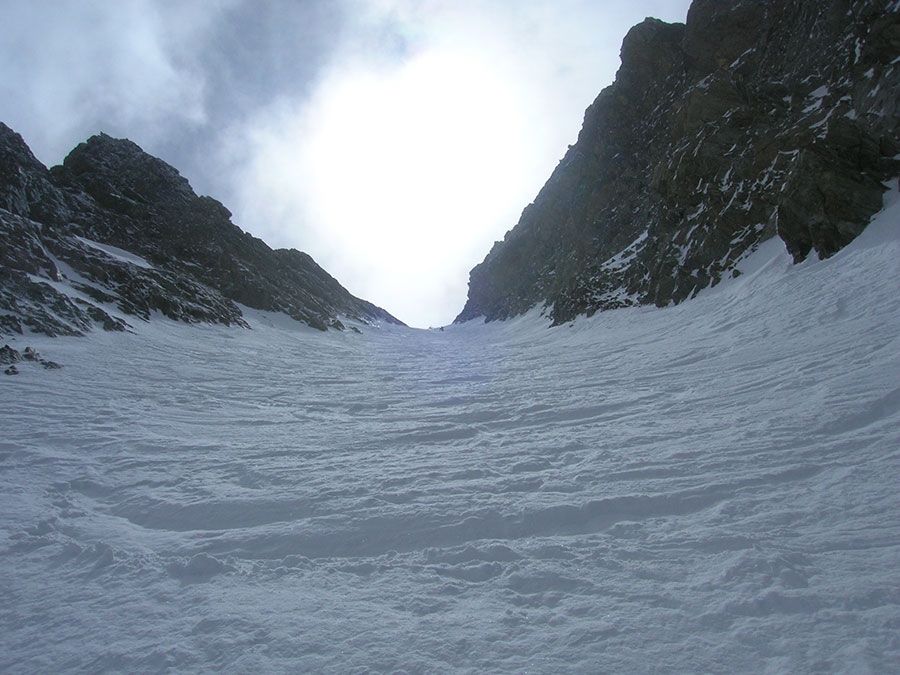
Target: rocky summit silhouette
754 119
114 233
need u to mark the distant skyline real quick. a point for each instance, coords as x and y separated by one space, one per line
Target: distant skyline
392 140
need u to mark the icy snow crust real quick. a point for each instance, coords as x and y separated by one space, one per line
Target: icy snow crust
711 487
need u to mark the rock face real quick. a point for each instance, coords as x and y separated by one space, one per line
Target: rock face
755 119
114 231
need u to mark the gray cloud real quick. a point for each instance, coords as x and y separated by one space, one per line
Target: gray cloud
69 68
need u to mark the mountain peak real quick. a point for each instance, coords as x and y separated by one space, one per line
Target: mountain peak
107 167
115 233
650 45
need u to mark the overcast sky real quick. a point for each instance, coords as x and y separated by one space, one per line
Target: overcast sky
392 140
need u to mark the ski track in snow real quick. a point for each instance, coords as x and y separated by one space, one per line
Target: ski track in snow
710 487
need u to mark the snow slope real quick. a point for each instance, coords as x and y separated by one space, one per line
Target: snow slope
710 487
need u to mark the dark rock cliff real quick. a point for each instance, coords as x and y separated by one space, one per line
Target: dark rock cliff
116 232
754 119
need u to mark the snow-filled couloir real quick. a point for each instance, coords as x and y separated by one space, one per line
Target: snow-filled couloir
709 487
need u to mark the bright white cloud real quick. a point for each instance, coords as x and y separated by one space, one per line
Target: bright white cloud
432 128
397 176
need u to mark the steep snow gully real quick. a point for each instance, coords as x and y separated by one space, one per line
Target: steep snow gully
710 487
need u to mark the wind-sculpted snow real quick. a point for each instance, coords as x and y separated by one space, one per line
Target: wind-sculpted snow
710 487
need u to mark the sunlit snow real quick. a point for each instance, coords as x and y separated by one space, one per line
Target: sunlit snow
711 487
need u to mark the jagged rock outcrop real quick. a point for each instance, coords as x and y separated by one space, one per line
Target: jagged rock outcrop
10 356
115 231
754 119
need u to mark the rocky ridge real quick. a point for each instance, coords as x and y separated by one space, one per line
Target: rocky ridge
754 119
114 233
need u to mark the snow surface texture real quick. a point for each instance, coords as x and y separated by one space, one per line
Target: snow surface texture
711 487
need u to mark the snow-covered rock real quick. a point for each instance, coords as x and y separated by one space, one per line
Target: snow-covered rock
115 235
752 120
